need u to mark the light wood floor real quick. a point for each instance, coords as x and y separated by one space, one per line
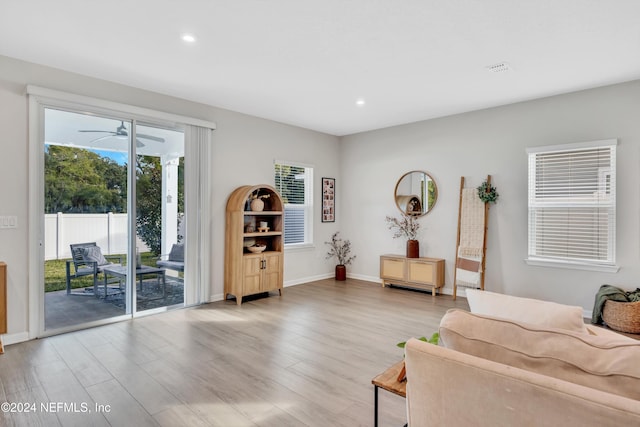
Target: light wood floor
304 359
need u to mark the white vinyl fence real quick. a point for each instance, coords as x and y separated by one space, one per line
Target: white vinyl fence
109 231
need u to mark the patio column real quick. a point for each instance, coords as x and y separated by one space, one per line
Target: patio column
169 201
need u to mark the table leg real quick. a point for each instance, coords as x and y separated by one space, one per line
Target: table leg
375 406
164 285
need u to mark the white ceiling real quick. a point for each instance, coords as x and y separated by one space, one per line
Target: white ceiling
305 62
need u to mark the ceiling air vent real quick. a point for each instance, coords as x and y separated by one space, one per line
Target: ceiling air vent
500 67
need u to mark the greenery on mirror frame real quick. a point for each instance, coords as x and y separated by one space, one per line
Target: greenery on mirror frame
407 226
487 193
433 340
341 249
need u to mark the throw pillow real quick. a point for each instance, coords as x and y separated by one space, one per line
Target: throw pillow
94 254
177 252
532 311
606 363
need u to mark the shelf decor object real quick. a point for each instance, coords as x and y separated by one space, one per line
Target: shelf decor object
254 258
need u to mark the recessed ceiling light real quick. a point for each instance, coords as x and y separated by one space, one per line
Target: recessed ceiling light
360 102
189 38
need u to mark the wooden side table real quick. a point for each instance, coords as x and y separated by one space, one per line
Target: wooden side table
388 380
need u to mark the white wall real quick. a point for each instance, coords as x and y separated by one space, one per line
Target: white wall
243 153
493 141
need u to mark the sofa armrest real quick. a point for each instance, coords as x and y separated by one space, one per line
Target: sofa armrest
116 259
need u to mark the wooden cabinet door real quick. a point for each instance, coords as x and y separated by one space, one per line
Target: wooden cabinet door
272 274
392 268
252 274
421 272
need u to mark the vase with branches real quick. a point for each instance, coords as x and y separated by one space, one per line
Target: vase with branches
407 226
341 250
256 200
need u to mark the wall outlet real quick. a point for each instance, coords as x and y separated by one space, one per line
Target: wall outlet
8 221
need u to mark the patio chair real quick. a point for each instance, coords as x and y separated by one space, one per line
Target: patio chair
87 260
175 259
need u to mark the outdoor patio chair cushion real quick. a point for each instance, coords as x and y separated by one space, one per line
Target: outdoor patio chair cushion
175 260
94 254
177 252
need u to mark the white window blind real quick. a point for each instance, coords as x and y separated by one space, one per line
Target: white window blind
572 203
294 182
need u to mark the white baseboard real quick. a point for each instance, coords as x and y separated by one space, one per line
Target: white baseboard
308 279
9 339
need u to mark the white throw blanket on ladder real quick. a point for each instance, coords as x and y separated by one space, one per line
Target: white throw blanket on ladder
470 249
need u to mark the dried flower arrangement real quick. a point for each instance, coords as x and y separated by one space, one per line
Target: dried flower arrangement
341 249
407 226
255 195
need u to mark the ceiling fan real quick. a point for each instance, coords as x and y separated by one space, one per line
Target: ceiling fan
121 132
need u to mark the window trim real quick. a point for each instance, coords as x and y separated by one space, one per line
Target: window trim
308 205
592 265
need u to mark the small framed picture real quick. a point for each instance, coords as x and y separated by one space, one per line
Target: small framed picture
328 199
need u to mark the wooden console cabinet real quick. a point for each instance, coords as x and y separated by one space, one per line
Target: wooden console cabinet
419 273
3 302
247 273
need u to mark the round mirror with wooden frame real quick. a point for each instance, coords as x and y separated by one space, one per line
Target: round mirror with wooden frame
416 193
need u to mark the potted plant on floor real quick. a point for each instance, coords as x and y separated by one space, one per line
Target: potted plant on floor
341 250
408 227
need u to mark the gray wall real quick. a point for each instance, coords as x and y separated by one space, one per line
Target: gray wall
494 141
366 166
243 153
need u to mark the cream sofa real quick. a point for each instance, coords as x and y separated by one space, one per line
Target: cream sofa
494 370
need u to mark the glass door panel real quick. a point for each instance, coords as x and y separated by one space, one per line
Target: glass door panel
160 230
85 217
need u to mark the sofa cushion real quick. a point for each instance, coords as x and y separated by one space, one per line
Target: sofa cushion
532 311
605 363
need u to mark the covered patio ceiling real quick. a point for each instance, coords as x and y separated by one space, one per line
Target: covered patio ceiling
70 129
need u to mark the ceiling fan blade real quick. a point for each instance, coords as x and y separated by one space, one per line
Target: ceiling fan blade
102 131
101 138
150 137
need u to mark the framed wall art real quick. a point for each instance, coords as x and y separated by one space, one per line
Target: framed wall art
328 199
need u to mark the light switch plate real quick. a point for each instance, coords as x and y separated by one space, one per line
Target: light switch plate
10 221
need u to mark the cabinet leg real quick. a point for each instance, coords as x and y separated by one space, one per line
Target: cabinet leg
239 300
280 292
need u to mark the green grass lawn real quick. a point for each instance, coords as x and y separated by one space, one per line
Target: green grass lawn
55 276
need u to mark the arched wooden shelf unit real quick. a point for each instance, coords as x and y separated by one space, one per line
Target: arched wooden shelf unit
247 273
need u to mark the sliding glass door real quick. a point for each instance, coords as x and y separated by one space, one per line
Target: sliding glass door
113 212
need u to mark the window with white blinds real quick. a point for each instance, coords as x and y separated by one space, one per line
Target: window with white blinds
294 182
572 204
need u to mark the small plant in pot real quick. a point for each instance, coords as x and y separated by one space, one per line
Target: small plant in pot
341 250
408 227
